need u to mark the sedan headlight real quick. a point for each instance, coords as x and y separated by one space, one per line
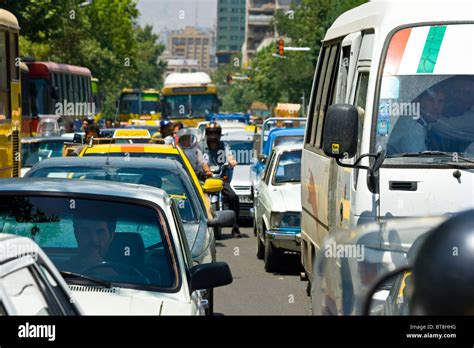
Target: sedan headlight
284 220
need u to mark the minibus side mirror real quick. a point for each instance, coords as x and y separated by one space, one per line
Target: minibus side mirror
341 131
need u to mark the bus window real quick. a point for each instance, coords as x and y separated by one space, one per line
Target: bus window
326 93
13 56
4 112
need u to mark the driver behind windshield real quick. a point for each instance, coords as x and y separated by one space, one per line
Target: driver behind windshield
94 236
411 134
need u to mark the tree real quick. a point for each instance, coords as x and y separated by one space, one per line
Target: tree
103 36
288 79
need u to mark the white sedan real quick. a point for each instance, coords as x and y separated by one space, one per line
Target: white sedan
121 248
277 206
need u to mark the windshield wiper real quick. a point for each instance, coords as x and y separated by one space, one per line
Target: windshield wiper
289 180
91 279
432 153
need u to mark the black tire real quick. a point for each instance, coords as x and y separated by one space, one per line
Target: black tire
271 257
218 233
260 248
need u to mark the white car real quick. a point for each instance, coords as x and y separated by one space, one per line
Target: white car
241 146
30 284
121 247
277 206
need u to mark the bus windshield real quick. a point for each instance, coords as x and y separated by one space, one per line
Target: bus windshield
150 103
129 103
197 105
426 106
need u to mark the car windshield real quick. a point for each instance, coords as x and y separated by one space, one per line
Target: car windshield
288 169
426 105
32 153
122 243
288 139
173 183
242 151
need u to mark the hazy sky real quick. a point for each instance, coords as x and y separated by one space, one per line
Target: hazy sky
166 13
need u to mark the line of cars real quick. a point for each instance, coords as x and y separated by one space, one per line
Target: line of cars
160 266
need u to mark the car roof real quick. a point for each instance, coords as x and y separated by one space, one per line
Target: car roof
277 132
385 15
113 162
288 147
85 187
156 148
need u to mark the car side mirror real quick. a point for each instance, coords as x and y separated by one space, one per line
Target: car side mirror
222 218
262 159
213 186
210 275
391 294
341 131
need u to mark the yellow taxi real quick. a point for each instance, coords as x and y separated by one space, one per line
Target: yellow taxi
158 151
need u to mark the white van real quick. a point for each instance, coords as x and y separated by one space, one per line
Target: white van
391 120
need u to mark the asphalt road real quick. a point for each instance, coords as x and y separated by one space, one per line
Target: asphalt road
254 291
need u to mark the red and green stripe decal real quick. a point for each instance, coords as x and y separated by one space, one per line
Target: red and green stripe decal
431 50
429 55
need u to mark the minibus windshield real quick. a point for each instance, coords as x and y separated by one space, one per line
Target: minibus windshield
426 100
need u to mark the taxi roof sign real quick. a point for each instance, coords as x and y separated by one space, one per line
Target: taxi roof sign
132 134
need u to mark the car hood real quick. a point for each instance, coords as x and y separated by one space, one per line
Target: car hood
241 176
286 197
120 301
199 240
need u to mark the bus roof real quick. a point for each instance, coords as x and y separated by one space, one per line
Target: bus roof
43 68
386 15
137 90
8 19
188 79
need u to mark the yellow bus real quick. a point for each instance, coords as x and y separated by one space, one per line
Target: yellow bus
189 98
10 96
139 104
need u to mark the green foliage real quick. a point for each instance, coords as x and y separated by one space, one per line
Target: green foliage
104 37
289 79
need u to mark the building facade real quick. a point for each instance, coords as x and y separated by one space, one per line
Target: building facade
192 44
230 29
258 24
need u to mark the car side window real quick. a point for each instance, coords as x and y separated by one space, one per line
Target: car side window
268 167
25 293
185 249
